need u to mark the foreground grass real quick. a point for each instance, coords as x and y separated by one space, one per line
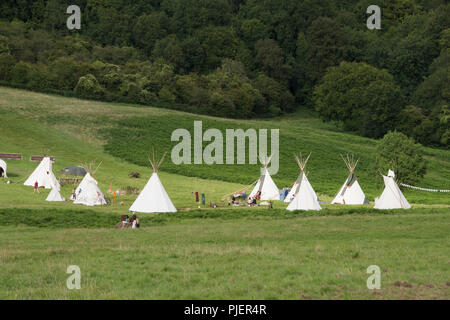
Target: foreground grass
97 218
268 258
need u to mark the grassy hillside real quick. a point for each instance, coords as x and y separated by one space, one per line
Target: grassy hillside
24 130
78 131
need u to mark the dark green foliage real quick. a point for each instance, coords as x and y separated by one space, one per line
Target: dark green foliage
7 62
88 87
365 99
171 53
149 29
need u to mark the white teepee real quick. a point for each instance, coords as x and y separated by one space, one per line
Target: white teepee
265 184
296 187
54 195
350 192
88 192
3 169
153 198
304 196
43 175
392 197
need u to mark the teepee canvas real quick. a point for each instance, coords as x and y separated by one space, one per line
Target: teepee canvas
88 192
392 197
43 175
302 176
54 195
3 169
265 184
153 198
303 194
350 192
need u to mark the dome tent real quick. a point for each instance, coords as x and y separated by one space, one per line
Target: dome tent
74 171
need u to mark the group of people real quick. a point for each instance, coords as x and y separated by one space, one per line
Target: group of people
251 201
128 222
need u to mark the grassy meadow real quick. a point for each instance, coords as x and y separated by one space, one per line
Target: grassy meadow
222 253
266 258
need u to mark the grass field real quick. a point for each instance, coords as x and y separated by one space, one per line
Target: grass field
265 258
207 253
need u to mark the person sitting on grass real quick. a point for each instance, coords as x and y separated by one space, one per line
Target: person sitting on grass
135 222
125 219
123 224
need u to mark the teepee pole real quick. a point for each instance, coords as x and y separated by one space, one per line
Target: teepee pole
95 171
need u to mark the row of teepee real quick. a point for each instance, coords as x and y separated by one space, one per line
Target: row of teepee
154 198
303 197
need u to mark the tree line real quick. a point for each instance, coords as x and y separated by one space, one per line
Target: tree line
243 58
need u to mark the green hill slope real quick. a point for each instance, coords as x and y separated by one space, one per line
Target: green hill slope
123 135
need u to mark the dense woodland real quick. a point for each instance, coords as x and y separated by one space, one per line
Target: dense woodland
243 58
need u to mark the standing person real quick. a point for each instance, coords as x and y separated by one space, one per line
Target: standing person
74 193
36 187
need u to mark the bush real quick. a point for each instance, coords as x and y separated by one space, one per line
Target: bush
21 73
165 95
363 98
88 87
398 152
7 62
67 72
